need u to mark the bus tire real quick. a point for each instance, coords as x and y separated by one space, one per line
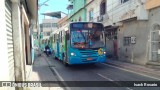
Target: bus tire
54 56
64 61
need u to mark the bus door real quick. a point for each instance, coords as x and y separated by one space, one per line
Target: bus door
66 45
58 49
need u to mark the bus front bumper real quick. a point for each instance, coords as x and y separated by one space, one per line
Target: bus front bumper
78 60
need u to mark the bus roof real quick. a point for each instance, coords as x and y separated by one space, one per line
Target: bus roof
85 22
64 28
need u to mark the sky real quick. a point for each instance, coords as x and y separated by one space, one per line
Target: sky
53 6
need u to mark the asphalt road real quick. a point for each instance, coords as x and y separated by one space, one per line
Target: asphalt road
98 72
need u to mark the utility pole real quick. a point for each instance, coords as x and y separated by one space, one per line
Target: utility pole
39 31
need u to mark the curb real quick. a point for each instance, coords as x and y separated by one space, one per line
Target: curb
140 70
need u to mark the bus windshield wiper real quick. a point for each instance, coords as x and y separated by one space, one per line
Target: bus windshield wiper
83 36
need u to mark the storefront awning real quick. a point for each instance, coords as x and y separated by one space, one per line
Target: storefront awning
111 27
53 14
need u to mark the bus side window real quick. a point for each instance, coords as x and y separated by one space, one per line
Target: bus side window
54 38
62 36
102 34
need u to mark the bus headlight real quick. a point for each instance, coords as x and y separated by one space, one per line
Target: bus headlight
104 52
72 54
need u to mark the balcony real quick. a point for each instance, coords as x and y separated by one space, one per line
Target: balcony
126 11
102 18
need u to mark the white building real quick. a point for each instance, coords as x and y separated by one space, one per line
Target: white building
17 23
128 25
49 25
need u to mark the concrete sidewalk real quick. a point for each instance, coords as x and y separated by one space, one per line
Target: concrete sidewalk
41 72
137 68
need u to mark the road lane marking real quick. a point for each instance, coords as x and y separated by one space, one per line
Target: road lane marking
131 71
111 80
129 88
105 77
61 79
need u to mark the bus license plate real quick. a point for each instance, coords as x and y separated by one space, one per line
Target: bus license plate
89 58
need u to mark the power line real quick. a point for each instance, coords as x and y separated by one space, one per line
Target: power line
44 3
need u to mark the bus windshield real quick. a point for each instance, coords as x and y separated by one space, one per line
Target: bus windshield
86 38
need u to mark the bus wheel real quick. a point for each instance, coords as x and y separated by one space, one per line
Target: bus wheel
55 58
64 61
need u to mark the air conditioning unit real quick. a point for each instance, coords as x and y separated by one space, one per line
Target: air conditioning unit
100 18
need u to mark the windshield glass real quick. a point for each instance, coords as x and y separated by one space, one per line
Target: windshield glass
86 38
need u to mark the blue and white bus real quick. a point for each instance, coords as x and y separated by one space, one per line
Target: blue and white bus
80 43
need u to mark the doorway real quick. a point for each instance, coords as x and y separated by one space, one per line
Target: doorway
111 41
155 43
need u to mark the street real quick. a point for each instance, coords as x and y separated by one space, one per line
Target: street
109 44
96 72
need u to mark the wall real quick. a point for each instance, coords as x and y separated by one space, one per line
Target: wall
49 29
77 4
76 12
109 48
62 22
138 51
81 14
95 5
154 19
141 29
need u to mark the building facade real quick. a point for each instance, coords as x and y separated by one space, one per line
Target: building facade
77 10
128 27
153 8
62 22
49 25
16 36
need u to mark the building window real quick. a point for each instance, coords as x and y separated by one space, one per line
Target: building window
43 33
111 34
54 25
41 27
41 30
127 41
123 1
91 15
48 33
47 25
103 7
80 19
